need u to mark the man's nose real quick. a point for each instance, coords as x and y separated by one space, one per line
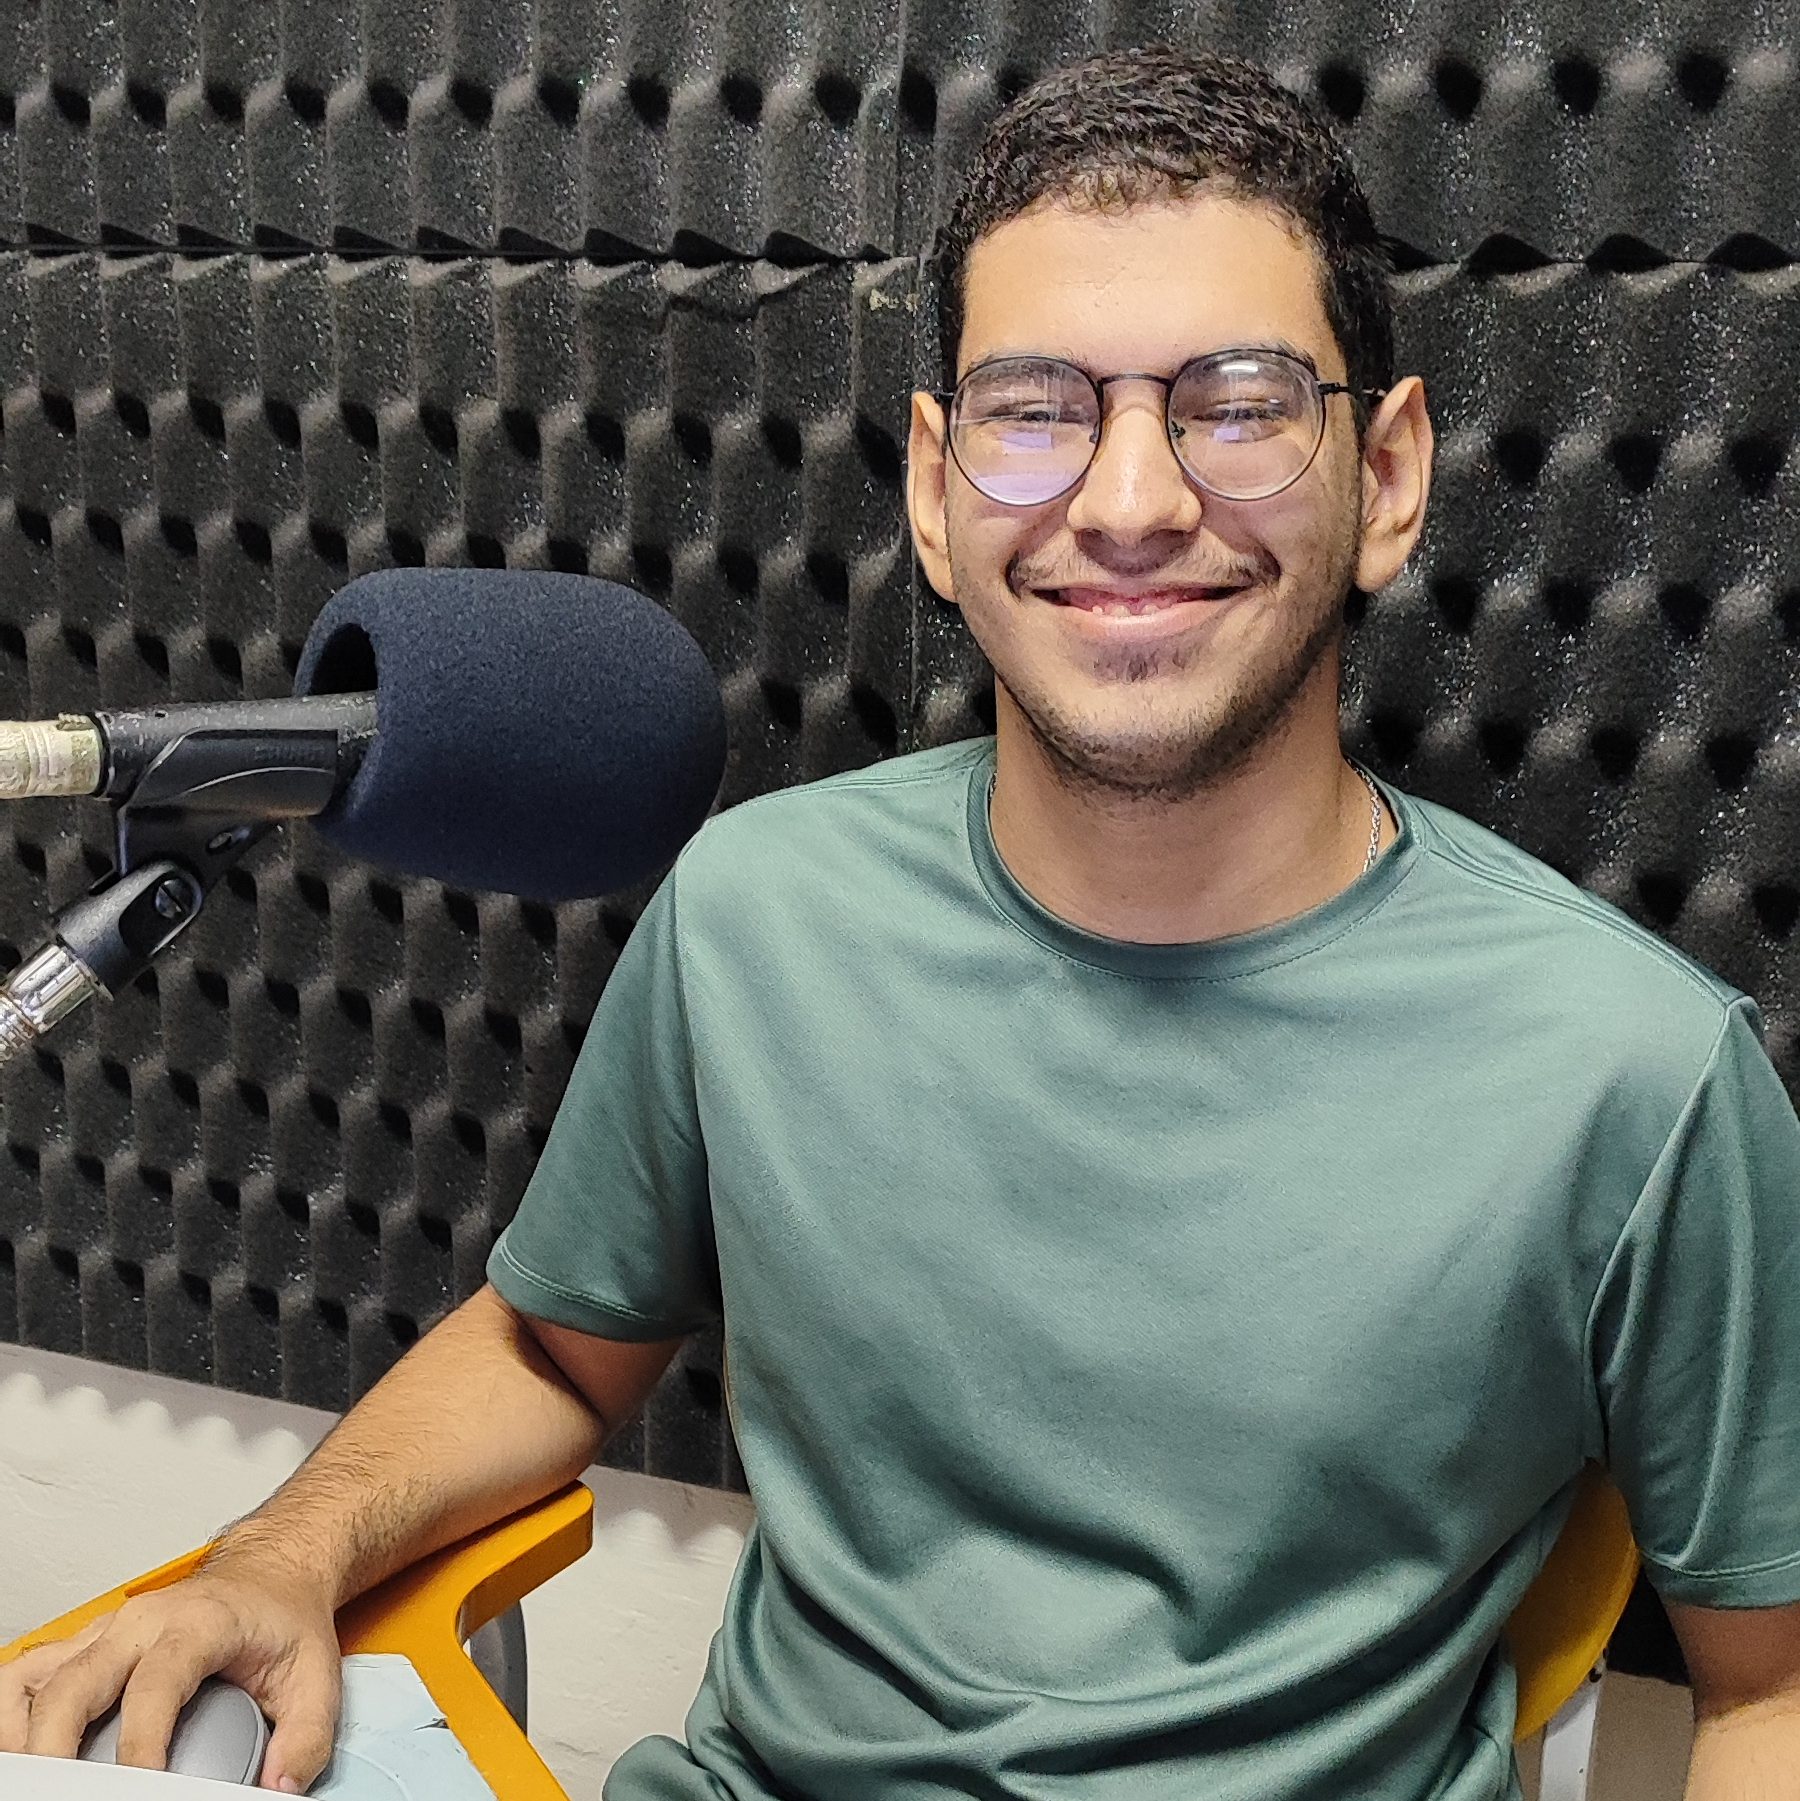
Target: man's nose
1135 488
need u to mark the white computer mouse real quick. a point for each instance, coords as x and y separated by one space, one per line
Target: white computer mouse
221 1734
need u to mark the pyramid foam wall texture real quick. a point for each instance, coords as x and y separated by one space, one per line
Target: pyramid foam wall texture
291 292
270 1165
1523 133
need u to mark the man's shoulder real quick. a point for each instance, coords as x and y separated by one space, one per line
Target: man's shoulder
864 819
1519 921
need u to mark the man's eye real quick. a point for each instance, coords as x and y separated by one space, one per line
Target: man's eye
1242 419
1234 411
1023 414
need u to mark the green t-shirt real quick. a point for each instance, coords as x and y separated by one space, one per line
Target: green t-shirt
1160 1369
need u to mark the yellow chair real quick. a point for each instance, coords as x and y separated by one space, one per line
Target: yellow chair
1558 1633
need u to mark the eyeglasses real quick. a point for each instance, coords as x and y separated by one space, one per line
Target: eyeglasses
1244 424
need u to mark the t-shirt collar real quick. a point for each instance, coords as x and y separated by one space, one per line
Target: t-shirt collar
1213 959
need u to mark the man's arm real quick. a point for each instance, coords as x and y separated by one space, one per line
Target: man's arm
1745 1665
487 1413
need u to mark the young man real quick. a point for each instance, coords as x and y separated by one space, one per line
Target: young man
1183 1212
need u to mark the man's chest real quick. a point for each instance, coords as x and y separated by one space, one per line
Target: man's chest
1264 1262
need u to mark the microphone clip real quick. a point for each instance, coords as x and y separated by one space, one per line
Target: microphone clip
206 793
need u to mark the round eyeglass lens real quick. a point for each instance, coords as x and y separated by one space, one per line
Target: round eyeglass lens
1023 429
1244 425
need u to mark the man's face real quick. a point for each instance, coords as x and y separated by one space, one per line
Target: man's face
1165 702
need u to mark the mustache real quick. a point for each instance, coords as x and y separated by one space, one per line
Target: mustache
1253 569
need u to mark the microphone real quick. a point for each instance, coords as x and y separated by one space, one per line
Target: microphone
534 733
540 734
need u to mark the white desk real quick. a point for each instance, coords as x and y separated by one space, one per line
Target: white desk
61 1779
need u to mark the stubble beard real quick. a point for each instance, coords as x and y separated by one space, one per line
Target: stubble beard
1198 751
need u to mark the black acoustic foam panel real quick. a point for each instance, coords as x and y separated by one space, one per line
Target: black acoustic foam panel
561 125
1535 131
271 1166
290 292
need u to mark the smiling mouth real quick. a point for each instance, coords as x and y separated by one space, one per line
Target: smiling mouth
1127 606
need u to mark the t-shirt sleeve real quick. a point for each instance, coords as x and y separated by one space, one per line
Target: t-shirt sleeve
1695 1339
614 1234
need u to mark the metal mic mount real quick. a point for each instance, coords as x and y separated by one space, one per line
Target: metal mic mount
101 943
199 805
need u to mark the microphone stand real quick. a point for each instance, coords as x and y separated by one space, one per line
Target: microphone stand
209 796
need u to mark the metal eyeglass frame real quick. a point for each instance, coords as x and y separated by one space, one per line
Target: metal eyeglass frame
1100 383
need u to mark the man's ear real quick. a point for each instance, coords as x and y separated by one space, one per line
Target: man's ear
926 476
1396 478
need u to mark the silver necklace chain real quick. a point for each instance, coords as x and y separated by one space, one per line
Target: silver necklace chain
1374 814
1368 782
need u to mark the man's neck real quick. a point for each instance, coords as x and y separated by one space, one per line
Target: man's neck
1273 839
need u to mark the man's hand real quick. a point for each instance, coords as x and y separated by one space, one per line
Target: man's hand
487 1413
266 1630
1745 1665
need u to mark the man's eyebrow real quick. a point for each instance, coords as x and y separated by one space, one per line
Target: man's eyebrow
1010 353
1063 354
1286 348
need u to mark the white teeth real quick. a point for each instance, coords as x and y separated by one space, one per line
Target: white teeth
1123 609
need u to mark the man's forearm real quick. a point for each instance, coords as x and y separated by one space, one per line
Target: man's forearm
474 1422
1749 1753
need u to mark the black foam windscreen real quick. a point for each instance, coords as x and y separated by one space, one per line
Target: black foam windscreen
538 734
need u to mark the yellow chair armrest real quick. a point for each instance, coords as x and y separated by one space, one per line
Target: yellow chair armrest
425 1613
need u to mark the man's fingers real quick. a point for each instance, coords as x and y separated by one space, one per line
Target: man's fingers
32 1669
305 1710
25 1675
152 1661
15 1718
162 1684
15 1705
79 1692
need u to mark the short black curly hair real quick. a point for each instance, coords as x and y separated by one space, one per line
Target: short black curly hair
1130 126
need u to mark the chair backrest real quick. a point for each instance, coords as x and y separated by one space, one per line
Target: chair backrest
1559 1630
